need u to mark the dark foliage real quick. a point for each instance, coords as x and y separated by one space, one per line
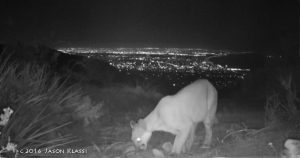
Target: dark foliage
75 68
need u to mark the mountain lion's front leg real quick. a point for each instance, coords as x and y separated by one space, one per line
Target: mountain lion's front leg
179 142
190 139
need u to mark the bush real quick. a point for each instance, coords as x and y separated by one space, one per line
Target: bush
283 103
43 106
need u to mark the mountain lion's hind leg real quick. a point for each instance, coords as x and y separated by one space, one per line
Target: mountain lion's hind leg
208 133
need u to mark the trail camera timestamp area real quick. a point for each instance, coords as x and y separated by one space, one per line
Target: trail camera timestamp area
51 151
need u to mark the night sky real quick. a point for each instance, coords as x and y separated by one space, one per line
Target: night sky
218 24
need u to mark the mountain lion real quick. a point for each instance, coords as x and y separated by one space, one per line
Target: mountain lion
179 114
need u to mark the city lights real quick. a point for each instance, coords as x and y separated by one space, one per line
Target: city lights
172 63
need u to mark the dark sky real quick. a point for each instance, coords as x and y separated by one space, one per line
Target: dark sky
218 24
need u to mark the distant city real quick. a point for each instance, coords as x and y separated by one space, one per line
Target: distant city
176 65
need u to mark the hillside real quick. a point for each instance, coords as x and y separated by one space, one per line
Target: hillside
74 67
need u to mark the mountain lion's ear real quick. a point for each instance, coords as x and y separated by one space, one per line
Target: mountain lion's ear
142 123
132 123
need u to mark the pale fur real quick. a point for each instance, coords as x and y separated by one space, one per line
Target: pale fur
180 114
292 149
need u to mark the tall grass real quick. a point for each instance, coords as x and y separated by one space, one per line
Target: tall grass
282 105
44 106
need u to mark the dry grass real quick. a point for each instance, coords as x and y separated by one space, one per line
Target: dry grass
44 107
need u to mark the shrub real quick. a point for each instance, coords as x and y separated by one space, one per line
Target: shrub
10 147
43 106
282 104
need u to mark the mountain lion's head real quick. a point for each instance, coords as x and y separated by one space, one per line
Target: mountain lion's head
140 136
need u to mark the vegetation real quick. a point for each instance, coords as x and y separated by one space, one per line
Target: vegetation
53 110
43 106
